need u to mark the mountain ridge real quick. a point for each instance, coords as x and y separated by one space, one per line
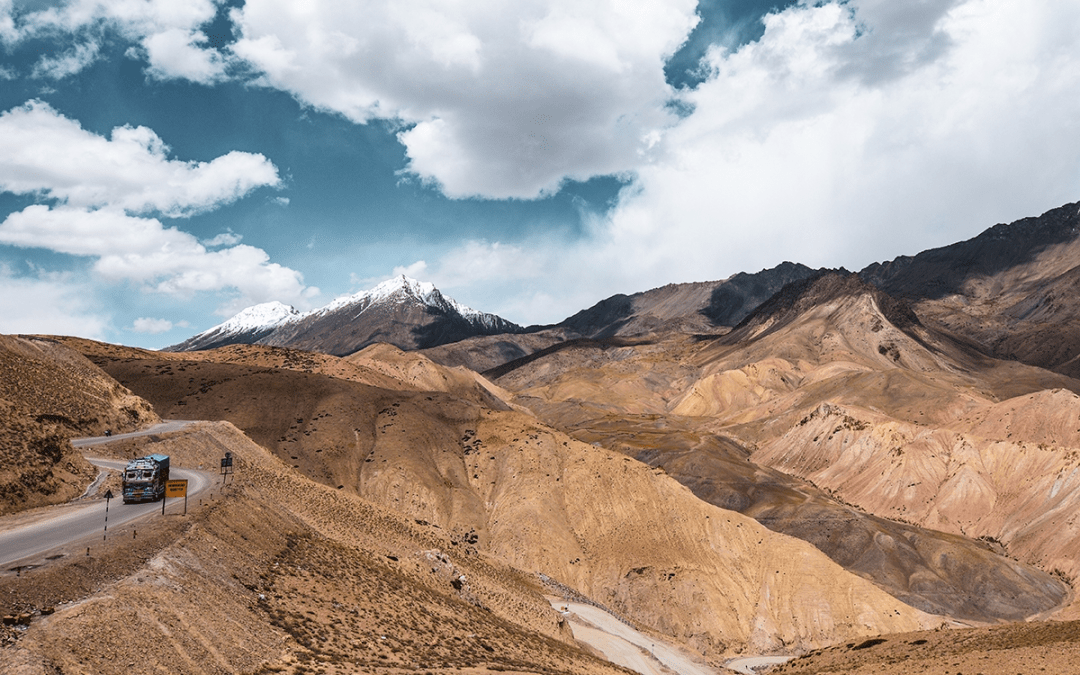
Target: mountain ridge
421 316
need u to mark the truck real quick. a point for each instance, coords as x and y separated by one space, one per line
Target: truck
144 478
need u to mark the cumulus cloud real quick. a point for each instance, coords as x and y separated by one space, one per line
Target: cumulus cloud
179 53
43 152
105 189
229 238
854 132
498 100
167 31
156 326
849 133
162 259
52 304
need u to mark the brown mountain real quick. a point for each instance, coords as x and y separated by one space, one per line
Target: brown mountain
1014 290
48 394
852 457
695 308
823 347
688 308
457 456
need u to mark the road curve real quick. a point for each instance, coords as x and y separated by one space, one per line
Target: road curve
74 522
162 428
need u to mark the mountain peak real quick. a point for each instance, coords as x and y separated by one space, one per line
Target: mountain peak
401 310
825 286
263 315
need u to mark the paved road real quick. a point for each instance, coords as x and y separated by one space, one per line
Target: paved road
74 522
163 428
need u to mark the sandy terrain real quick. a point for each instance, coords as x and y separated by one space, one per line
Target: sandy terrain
608 526
625 645
279 574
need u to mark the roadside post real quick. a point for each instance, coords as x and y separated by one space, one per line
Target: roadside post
175 488
108 496
226 467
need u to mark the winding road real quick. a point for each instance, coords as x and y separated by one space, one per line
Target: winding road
64 524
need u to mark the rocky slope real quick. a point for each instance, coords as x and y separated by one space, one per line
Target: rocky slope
710 307
688 308
828 343
48 394
612 529
1012 290
280 574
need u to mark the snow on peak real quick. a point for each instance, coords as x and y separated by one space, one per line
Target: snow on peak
259 317
420 290
400 289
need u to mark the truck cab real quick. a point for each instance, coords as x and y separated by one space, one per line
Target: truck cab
144 478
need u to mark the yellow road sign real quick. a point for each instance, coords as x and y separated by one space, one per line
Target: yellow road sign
176 488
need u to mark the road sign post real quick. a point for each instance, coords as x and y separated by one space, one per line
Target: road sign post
226 466
175 488
108 497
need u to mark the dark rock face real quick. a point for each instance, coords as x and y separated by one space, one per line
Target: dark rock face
824 286
708 307
1013 291
702 306
942 271
735 298
607 316
407 325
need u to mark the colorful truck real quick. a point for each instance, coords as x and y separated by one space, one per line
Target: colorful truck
145 478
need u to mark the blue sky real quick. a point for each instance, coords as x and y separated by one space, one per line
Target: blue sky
163 164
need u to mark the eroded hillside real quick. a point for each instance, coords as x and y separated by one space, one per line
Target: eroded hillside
832 347
281 574
611 528
48 394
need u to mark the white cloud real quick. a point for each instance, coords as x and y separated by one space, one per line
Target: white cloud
100 183
49 304
847 134
811 145
500 99
69 63
43 152
162 259
413 271
229 238
177 53
156 326
166 29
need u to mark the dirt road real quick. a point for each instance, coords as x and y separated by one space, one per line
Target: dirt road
624 645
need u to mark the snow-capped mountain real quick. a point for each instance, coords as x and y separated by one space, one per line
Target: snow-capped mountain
247 327
401 311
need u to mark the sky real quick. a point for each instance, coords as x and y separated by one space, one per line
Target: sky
165 164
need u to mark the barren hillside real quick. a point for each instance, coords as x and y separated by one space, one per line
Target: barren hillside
824 348
280 574
48 394
603 524
1012 290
